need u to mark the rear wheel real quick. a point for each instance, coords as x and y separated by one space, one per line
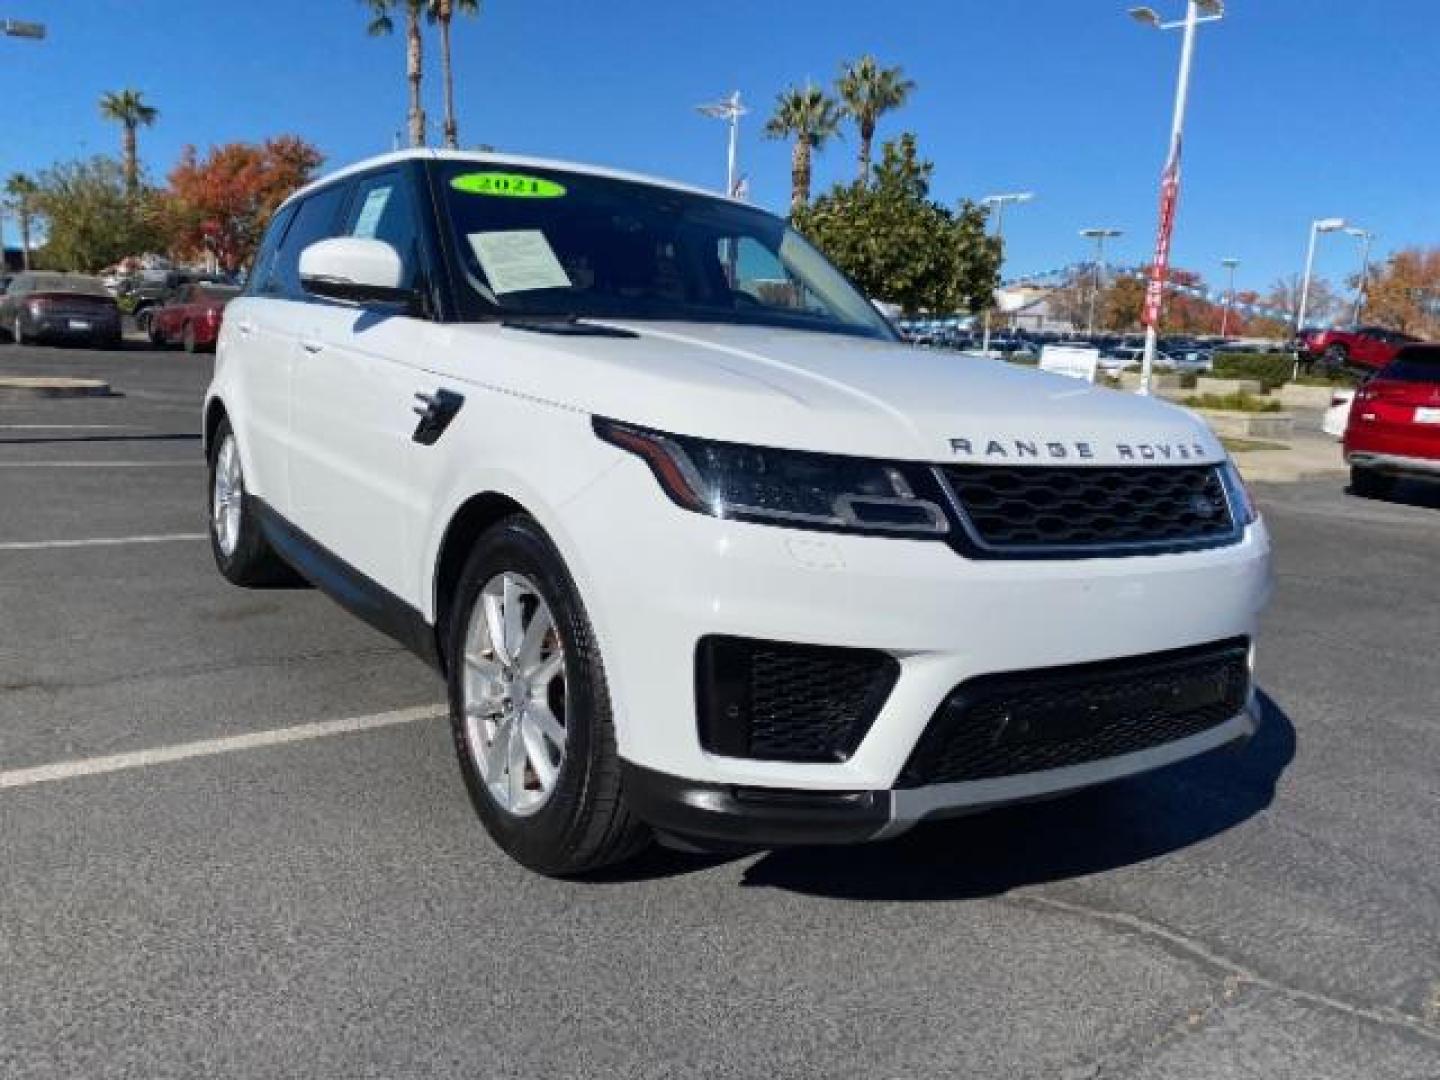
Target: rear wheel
1369 484
241 551
530 710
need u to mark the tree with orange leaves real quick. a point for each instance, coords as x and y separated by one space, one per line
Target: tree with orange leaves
222 202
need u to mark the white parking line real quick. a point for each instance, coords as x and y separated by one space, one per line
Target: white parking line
69 426
70 770
99 541
102 464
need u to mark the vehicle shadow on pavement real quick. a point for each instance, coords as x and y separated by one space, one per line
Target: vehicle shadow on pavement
1414 493
1105 828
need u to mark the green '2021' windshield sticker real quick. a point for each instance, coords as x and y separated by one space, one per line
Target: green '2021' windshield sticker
509 185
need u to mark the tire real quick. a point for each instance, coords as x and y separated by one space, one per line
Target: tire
1369 484
156 338
242 553
505 700
187 339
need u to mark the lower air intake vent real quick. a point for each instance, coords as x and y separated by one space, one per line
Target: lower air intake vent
1004 725
783 702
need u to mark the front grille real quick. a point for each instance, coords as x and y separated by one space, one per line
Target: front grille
1064 511
784 702
1004 725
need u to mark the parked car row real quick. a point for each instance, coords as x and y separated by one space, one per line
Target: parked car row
58 307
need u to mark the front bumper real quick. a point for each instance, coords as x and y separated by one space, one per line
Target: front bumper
656 580
719 814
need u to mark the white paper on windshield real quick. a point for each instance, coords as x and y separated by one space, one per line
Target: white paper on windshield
369 219
518 260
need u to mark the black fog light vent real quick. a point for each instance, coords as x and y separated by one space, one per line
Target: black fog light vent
776 701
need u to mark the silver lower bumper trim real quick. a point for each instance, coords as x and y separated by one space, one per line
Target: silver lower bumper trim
910 806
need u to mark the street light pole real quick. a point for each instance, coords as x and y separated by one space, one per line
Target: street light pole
1214 10
1099 236
1230 265
1366 238
1322 225
999 202
730 110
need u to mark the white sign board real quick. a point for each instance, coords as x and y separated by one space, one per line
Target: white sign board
1075 362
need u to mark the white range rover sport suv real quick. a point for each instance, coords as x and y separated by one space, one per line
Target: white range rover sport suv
702 549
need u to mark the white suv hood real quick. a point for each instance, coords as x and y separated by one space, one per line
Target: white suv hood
838 394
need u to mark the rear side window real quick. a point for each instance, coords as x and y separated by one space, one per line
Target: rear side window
384 209
315 219
1414 365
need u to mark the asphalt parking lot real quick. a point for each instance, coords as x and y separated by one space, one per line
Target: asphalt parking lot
177 900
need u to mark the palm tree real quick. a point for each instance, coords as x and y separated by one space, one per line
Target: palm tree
442 13
869 92
809 116
128 109
22 191
382 23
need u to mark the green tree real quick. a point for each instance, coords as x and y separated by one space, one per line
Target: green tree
129 109
442 14
95 218
899 245
811 117
869 92
382 22
22 191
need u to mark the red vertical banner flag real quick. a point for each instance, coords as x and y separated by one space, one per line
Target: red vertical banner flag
1160 267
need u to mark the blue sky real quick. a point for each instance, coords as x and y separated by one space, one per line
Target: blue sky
1300 109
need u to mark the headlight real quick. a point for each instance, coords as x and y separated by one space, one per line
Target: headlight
786 487
1241 502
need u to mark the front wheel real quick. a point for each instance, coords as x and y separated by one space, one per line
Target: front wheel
530 710
241 551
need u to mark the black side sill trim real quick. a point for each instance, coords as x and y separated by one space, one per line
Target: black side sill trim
348 587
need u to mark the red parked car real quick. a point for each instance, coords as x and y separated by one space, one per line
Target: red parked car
191 316
1367 348
1394 427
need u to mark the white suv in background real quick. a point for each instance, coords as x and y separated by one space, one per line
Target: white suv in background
701 548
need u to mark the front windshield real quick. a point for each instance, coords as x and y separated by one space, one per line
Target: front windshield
543 243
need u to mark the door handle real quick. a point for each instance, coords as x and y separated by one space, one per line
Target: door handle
311 347
435 411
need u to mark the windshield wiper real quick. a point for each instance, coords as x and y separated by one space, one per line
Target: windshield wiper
565 326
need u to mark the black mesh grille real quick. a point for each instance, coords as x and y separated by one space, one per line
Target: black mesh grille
783 702
1009 724
1058 511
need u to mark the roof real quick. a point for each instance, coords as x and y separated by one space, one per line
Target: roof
508 161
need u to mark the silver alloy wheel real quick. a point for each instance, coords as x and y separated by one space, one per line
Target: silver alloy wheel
226 500
513 692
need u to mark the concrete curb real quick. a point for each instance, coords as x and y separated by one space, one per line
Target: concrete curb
21 387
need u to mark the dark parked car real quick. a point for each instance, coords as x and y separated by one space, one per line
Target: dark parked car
59 307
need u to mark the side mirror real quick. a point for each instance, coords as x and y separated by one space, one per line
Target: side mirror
355 270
